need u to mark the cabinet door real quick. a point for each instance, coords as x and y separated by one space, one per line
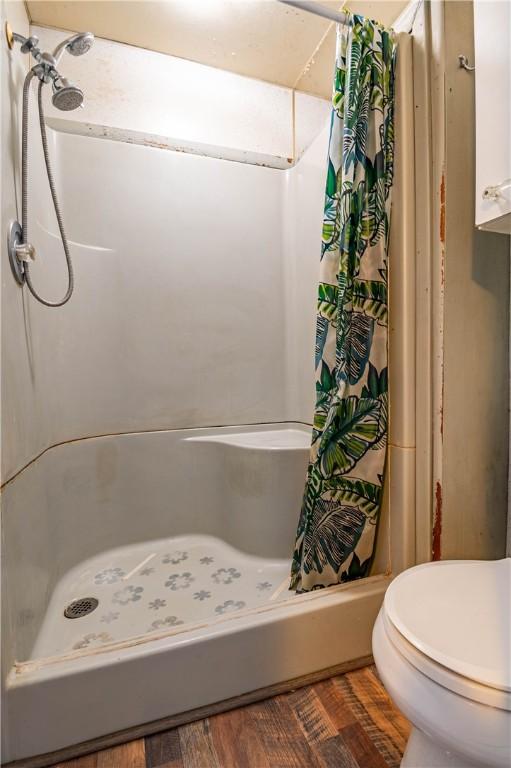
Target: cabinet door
492 35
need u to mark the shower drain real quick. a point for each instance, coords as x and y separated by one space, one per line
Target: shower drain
81 607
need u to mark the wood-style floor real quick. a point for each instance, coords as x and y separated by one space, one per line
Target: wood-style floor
344 722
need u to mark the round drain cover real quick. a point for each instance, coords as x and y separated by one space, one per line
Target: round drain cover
81 607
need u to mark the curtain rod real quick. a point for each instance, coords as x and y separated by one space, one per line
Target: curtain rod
318 10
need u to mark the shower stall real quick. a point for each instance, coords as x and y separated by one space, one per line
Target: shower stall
148 535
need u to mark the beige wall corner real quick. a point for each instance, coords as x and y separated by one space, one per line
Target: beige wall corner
476 323
462 308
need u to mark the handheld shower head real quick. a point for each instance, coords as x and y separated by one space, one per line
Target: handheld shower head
76 45
66 96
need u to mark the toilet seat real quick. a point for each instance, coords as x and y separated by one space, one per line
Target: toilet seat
463 686
452 621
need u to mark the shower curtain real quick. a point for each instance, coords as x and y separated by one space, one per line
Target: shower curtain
336 530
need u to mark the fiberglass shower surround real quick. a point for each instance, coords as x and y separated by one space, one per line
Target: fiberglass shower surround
65 97
181 530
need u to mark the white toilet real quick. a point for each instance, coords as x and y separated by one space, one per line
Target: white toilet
442 646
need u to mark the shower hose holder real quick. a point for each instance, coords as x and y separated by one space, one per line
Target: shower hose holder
65 97
18 251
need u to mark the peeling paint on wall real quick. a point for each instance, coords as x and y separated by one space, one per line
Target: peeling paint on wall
442 213
442 282
437 524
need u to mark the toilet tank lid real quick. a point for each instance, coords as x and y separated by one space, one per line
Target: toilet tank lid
458 613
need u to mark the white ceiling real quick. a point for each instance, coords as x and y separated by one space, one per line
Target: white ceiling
258 38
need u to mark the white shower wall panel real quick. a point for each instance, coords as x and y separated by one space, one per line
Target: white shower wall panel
21 428
194 293
304 194
177 317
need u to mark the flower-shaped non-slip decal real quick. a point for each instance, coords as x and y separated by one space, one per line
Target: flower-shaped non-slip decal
179 580
107 618
206 560
263 586
127 595
225 575
157 603
146 571
168 621
230 605
92 639
175 557
109 576
203 594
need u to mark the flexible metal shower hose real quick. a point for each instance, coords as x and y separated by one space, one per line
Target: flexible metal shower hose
24 192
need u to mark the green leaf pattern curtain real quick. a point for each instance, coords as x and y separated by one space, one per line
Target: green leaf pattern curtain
343 492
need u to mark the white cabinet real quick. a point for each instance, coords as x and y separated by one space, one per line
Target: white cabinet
492 36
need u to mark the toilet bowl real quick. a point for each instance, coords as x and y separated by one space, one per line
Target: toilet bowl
442 646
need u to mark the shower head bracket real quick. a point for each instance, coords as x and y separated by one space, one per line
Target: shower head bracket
9 34
14 240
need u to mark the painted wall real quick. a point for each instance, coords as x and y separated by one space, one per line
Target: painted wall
476 323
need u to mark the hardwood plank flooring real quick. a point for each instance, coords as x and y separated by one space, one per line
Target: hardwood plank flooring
132 755
347 721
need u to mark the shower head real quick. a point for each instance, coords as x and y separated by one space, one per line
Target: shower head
66 96
75 45
80 43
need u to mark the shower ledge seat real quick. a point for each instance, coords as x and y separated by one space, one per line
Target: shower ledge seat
271 440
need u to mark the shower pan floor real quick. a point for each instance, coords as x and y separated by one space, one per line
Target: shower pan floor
154 586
